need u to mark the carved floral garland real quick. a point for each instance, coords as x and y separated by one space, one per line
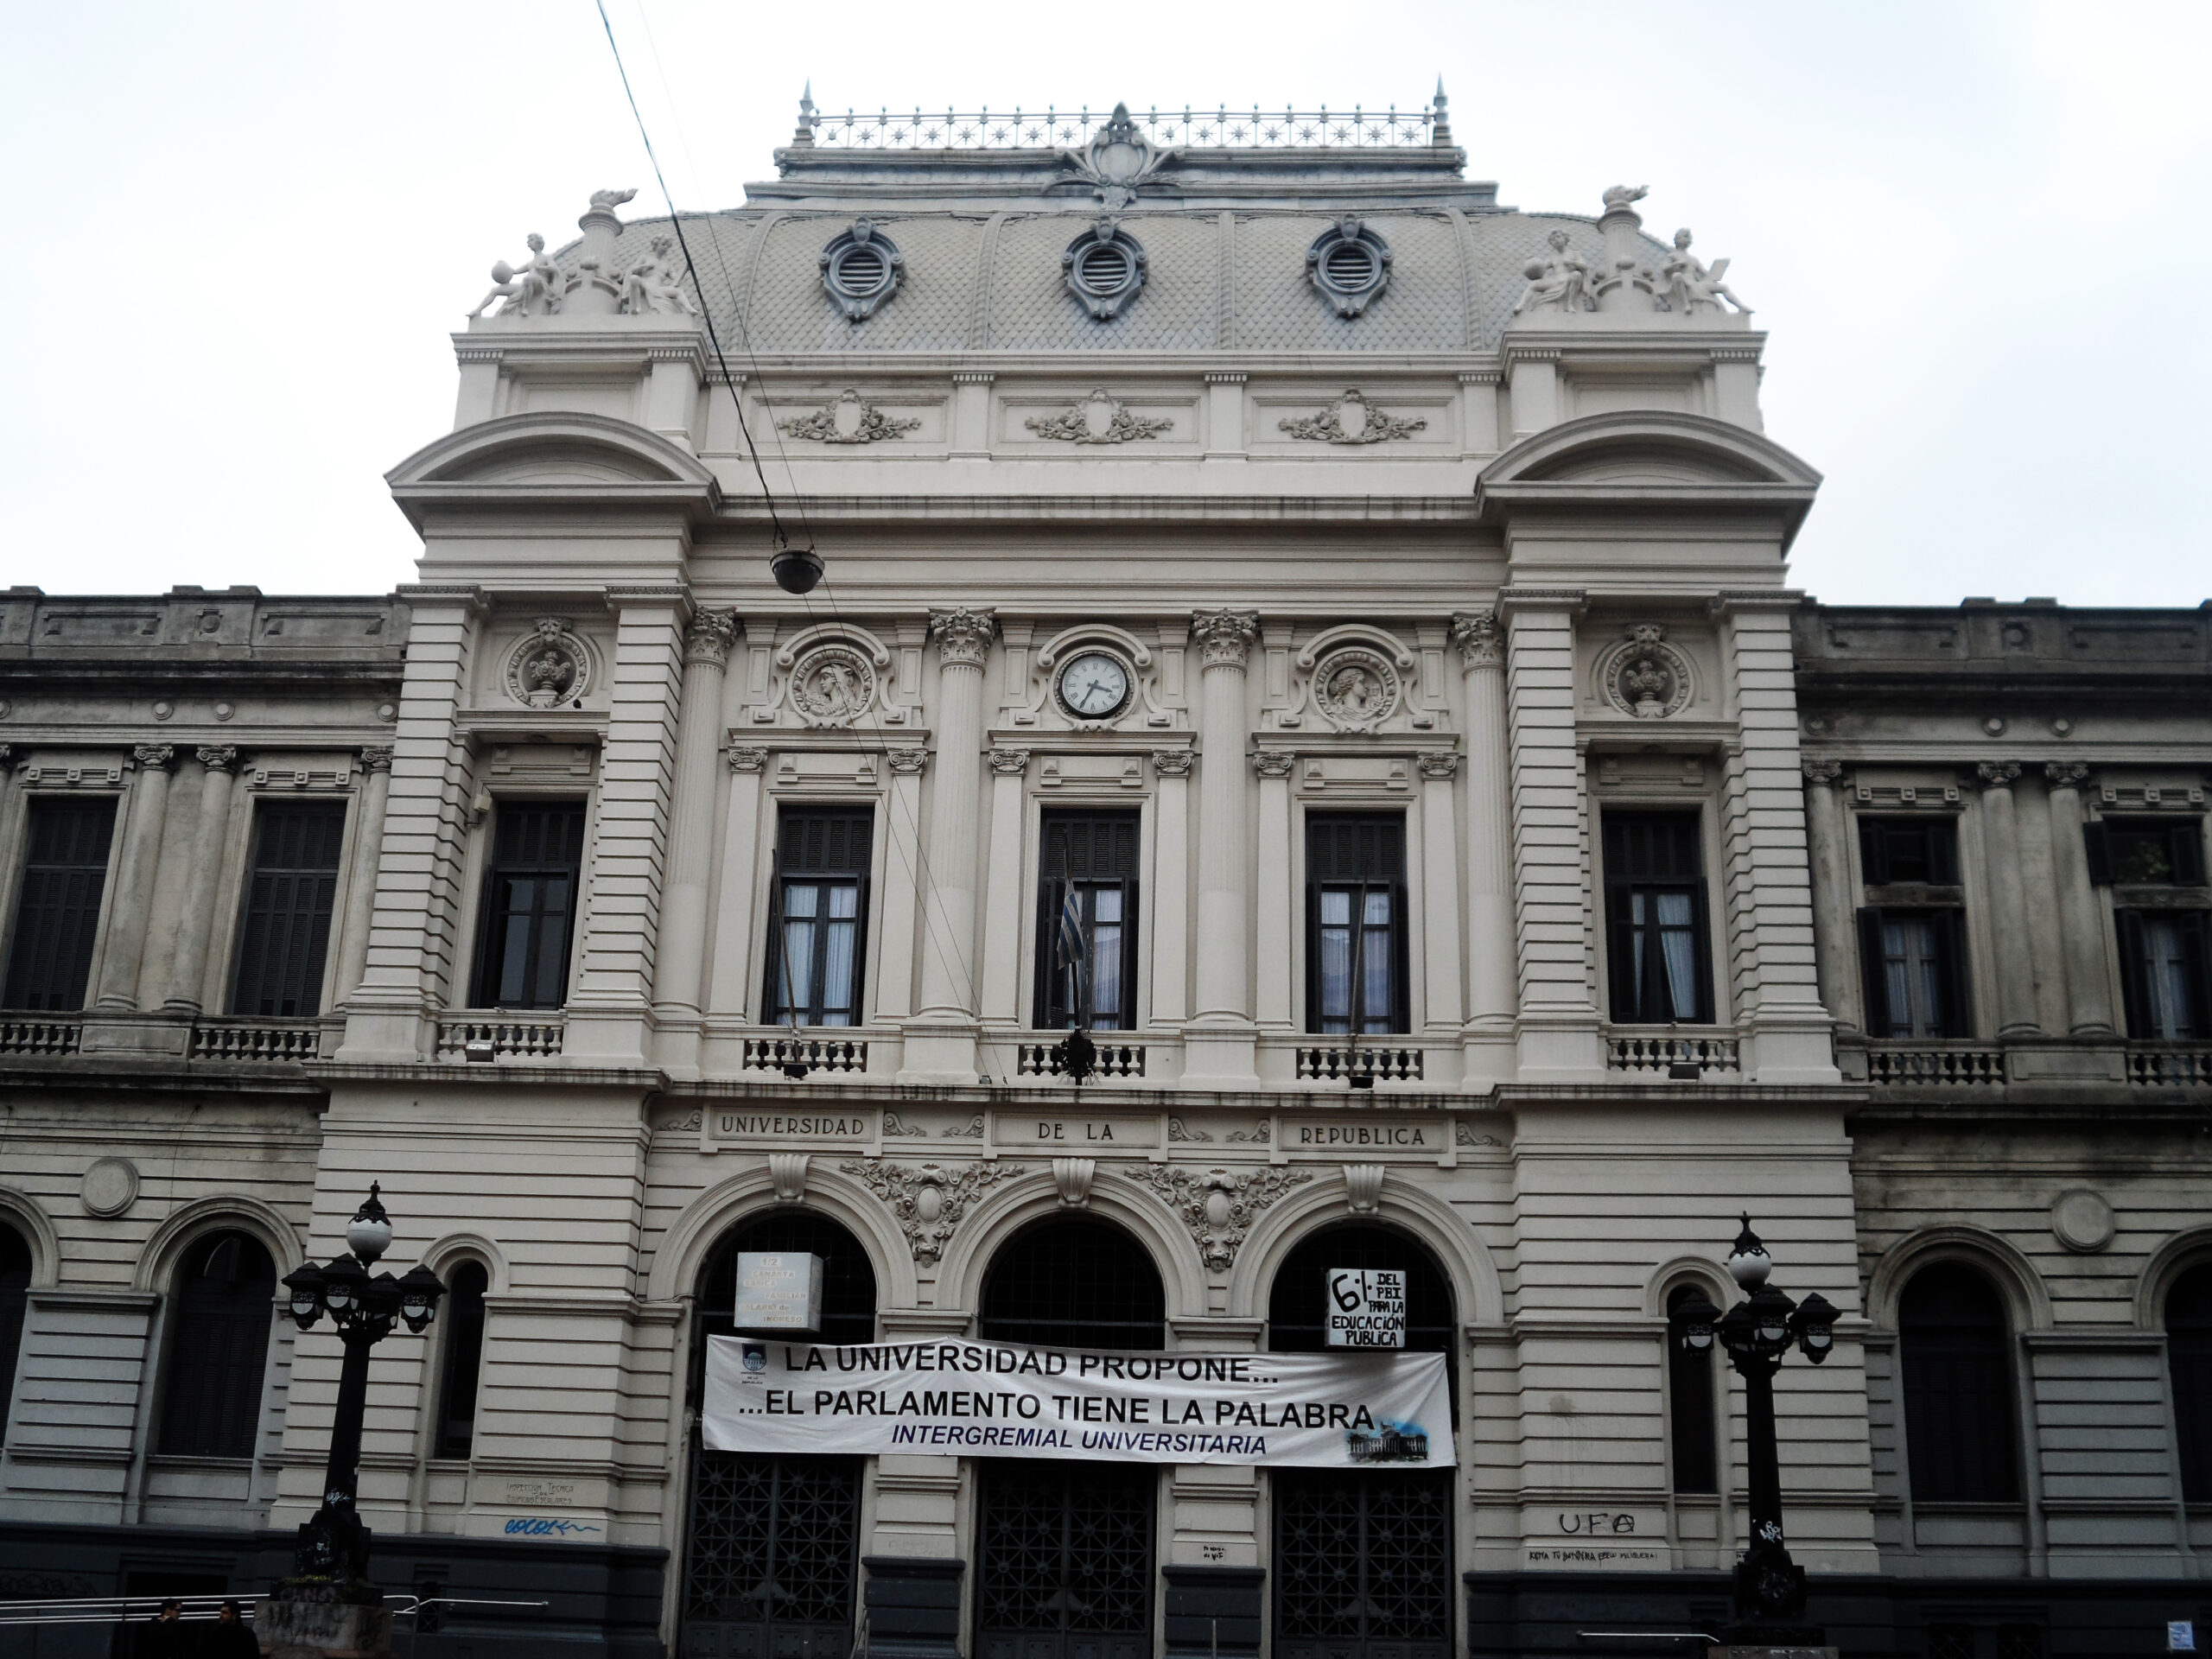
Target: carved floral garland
1219 1208
928 1199
872 425
1328 427
1072 424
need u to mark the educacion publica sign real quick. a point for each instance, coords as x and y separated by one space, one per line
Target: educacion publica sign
987 1399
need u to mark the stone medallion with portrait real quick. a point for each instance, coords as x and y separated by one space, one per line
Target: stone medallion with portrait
1356 689
832 685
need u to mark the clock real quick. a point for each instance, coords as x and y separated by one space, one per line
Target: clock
1094 686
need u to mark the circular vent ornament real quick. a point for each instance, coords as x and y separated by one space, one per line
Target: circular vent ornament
1350 263
861 269
1104 268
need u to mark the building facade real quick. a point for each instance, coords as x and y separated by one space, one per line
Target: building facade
1354 611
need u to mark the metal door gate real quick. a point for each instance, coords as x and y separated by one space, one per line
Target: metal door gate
1063 1562
1362 1565
773 1556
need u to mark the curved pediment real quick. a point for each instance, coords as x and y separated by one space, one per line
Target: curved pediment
1648 446
556 447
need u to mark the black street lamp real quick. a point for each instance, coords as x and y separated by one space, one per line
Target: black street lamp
1756 1334
333 1546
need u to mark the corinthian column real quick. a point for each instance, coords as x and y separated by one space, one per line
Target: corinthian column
680 967
189 961
948 951
134 885
2081 920
1493 987
361 878
1828 848
2001 876
1224 974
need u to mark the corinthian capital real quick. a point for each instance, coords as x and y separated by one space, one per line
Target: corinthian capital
1821 772
2066 774
963 636
709 636
1476 634
1999 774
1226 636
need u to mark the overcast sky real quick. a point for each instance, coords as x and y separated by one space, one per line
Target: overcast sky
243 232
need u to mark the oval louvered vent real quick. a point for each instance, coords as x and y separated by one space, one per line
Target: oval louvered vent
1351 265
1103 268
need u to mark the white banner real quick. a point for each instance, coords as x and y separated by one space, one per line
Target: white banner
1000 1400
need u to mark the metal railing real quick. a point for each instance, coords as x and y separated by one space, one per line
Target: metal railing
797 1056
262 1040
40 1036
1666 1054
1348 1062
1051 129
487 1036
1036 1059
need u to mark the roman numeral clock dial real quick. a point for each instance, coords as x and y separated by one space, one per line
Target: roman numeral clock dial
1094 686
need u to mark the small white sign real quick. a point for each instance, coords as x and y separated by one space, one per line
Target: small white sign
1366 1307
779 1292
2181 1636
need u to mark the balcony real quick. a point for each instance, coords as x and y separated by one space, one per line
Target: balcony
1684 1057
494 1034
2026 1068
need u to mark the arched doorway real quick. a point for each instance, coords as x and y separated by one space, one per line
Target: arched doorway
1956 1344
771 1552
1361 1557
1064 1550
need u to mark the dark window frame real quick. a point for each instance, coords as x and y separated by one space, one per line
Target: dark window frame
1648 999
1693 1405
18 1261
1958 1381
1909 869
2184 851
1376 865
796 863
215 1366
55 927
2186 1315
504 864
1059 854
2190 1003
1074 1281
1955 1010
285 918
461 1359
1887 857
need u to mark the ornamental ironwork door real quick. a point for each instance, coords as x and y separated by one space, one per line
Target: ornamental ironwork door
774 1555
1063 1562
1363 1565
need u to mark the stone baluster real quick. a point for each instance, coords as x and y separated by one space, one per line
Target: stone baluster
1225 938
680 969
948 952
361 878
2081 919
1493 984
130 910
2008 921
195 925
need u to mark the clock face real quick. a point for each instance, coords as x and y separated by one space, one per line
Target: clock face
1094 685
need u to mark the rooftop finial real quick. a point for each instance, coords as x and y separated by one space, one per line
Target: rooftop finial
804 133
1440 131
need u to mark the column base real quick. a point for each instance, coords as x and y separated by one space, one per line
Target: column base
148 1036
1221 1057
1488 1054
940 1053
384 1035
606 1036
1786 1051
1567 1050
303 1619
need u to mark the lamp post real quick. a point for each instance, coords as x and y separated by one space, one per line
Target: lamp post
1756 1334
333 1552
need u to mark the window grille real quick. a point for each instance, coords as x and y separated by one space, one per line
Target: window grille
291 891
1362 1565
1093 857
1063 1561
818 922
1074 1283
218 1322
1356 923
463 1318
1690 1427
1661 955
58 906
15 1299
530 904
2189 1357
1955 1353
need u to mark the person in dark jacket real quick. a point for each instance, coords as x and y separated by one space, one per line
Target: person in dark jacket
230 1636
166 1636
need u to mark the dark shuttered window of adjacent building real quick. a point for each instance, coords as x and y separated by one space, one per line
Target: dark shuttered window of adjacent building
58 906
1659 951
817 930
218 1323
1690 1424
1955 1353
530 905
291 890
1091 857
2189 1356
1912 949
463 1318
2156 870
1356 923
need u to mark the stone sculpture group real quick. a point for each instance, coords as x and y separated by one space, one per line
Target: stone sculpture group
651 287
1681 282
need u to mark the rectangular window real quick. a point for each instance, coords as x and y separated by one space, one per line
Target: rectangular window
2145 853
1920 852
1913 963
1356 923
291 889
1655 924
530 905
817 930
57 907
2164 974
1087 920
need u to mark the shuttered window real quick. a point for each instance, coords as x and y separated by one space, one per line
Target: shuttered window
14 1297
1955 1353
291 890
1690 1429
2145 852
1921 852
2189 1356
1356 923
463 1318
1656 928
218 1323
1091 857
57 907
2164 974
1912 938
817 928
530 905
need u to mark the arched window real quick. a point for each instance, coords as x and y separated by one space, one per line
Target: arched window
2188 1352
1074 1281
463 1318
218 1318
1958 1388
1689 1405
14 1297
